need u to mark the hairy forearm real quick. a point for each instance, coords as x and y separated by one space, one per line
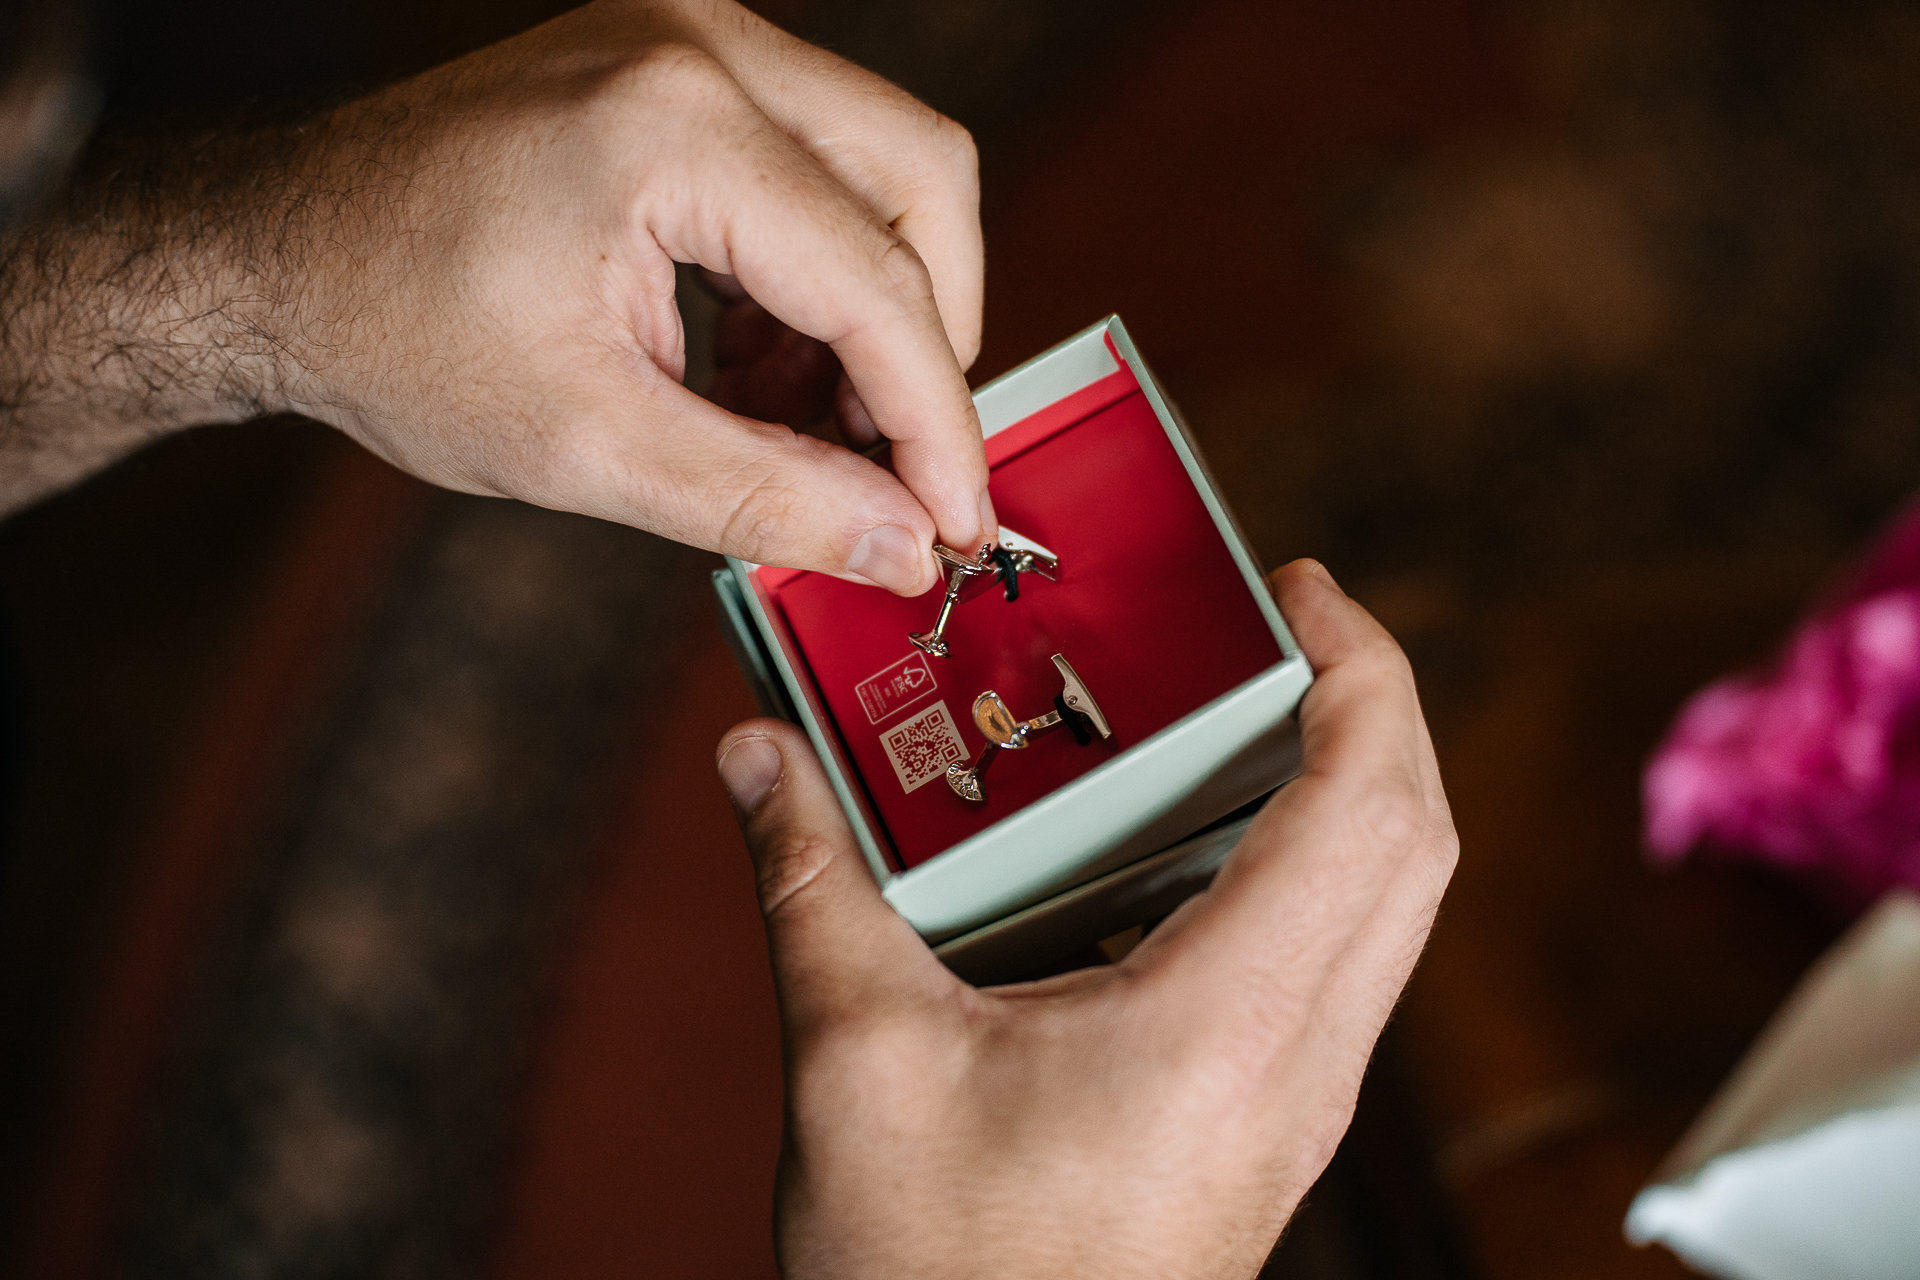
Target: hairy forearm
125 309
472 274
155 293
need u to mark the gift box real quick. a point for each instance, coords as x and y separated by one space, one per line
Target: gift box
1159 609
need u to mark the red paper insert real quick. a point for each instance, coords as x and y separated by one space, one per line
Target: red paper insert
1150 609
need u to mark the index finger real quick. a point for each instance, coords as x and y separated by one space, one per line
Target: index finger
915 168
814 255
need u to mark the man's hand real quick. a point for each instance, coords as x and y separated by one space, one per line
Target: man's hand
473 274
1159 1117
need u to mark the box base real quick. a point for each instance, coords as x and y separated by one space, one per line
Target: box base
1016 946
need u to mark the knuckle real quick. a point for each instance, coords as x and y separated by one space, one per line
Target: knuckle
1443 850
770 508
954 144
1377 668
1428 878
561 462
903 275
767 508
677 71
1381 657
1391 819
789 866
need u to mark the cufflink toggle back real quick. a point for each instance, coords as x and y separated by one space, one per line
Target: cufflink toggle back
1074 710
968 578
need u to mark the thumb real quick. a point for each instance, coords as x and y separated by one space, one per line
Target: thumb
757 490
837 947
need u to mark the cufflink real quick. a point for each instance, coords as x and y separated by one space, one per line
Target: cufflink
967 578
1074 710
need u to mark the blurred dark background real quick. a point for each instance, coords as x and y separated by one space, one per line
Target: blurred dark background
365 913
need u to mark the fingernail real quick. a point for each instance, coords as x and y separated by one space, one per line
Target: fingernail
989 522
749 769
888 556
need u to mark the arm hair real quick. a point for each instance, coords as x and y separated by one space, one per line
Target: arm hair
164 288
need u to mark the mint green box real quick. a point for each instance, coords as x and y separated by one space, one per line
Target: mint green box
1122 844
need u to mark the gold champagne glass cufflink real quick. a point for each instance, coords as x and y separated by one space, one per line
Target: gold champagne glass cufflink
1002 562
1074 710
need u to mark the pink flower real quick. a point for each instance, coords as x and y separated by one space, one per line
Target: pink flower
1812 763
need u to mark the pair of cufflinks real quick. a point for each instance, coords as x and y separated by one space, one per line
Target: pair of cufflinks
1074 709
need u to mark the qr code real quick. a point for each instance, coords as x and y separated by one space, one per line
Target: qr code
923 747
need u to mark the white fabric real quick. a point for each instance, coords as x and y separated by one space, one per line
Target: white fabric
1806 1164
1840 1201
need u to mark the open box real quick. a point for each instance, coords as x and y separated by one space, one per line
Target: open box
1160 607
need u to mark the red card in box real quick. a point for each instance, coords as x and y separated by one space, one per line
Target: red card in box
1149 607
1160 608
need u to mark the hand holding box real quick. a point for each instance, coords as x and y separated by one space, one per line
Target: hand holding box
1157 1117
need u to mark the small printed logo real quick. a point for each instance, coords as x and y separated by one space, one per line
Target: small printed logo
900 685
923 747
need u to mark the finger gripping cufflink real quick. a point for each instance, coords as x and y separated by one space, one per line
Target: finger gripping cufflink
1074 710
967 578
